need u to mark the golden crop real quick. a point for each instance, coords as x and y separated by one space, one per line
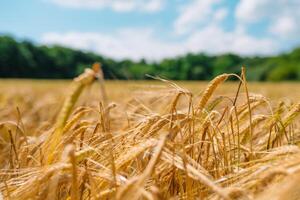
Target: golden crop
148 140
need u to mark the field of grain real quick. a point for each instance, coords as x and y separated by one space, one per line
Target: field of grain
96 139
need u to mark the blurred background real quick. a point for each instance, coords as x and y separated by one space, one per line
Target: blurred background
174 39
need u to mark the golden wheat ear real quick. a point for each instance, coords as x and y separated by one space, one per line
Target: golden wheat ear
78 85
210 89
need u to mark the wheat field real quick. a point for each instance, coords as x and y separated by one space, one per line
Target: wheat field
95 139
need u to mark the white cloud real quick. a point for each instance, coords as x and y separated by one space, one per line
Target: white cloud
285 27
144 43
214 40
116 5
198 27
127 43
253 10
282 15
220 14
195 13
153 5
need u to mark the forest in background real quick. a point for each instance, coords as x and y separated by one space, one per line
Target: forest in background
25 59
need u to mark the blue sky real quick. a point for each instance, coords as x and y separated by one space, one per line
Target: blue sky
156 29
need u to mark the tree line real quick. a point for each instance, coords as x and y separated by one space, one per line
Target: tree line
24 59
